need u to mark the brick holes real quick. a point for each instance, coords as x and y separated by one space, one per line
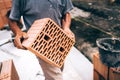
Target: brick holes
50 42
62 49
47 38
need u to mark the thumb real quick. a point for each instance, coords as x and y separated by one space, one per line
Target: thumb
25 36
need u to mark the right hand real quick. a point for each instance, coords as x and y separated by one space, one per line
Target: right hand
69 33
18 40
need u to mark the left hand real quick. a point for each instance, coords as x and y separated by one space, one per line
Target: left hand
69 33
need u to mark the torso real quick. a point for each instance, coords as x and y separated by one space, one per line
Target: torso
37 9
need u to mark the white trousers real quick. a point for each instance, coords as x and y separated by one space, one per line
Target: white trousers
50 72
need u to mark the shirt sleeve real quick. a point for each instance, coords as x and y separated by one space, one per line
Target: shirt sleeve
15 13
68 6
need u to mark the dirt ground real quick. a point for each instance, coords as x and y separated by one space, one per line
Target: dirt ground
103 20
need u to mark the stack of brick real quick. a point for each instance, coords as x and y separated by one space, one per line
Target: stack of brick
48 41
5 5
103 72
8 71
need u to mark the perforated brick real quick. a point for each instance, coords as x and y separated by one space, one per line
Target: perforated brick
48 41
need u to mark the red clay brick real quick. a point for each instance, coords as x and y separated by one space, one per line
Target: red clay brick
1 22
3 15
5 5
8 71
2 5
8 3
48 41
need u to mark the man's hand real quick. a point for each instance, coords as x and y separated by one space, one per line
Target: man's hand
19 38
66 21
69 33
19 35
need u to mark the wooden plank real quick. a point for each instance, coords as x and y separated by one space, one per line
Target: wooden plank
96 75
114 74
99 67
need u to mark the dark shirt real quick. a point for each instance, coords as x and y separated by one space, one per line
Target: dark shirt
32 10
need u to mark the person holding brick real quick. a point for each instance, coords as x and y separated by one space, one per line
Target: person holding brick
31 10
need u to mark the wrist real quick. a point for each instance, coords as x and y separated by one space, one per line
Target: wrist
66 28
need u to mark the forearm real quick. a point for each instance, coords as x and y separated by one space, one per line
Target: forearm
14 27
19 35
66 21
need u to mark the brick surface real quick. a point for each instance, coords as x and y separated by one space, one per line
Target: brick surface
5 5
8 71
48 41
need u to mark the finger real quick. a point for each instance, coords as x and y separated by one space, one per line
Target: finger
18 44
72 36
